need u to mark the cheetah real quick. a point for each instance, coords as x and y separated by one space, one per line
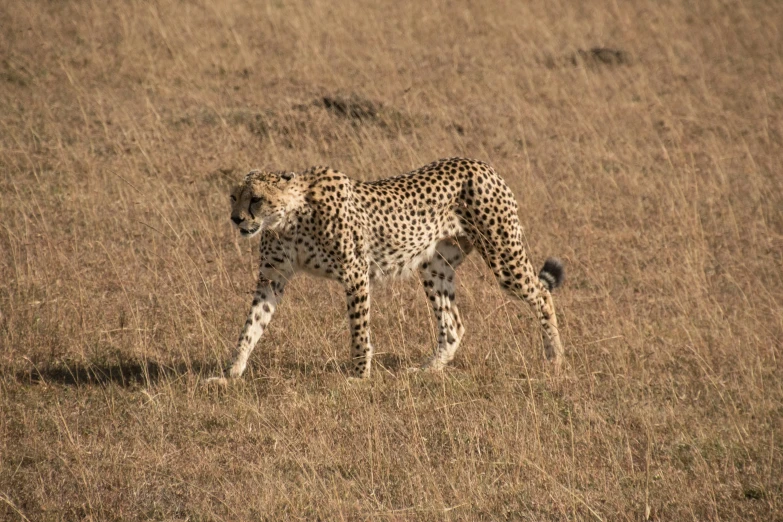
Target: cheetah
428 220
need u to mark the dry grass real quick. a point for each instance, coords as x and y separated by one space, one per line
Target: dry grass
655 174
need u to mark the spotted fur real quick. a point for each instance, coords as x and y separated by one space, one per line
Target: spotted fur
325 223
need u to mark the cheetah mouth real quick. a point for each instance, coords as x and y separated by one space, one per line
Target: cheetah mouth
249 232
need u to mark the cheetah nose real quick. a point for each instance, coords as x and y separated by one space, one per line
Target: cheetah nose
236 219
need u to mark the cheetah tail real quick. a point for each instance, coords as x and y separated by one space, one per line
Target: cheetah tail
552 274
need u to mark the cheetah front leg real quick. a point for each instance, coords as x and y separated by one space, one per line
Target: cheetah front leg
357 290
267 296
276 269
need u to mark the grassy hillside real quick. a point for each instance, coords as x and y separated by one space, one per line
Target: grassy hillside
643 141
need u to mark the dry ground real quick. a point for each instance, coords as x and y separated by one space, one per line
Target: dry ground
652 167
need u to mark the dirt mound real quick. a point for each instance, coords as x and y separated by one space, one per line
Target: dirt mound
600 56
593 57
352 107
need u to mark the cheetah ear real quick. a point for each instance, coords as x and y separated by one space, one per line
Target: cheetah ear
288 176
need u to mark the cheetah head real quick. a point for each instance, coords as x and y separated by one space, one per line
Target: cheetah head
261 201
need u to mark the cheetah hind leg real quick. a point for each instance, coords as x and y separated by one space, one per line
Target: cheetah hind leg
517 277
438 280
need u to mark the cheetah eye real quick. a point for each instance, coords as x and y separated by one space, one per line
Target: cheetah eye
254 200
233 197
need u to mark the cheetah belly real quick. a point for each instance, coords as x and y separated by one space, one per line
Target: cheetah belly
400 264
388 260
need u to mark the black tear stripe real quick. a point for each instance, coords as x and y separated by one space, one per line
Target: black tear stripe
250 211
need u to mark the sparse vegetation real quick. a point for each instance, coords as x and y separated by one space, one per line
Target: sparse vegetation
643 141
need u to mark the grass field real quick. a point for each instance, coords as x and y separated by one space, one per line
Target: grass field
643 141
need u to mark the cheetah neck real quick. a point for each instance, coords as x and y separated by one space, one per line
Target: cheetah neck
293 199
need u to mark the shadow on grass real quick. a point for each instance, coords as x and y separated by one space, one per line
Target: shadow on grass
127 373
133 373
381 362
393 362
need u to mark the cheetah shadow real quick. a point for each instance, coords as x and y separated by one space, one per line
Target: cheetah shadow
131 373
386 362
126 373
394 363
